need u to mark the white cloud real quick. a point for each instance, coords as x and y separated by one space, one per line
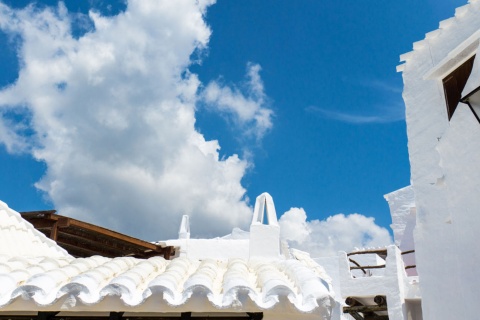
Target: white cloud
386 108
113 115
246 107
393 113
336 233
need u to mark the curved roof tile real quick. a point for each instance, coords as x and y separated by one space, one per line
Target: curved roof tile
225 284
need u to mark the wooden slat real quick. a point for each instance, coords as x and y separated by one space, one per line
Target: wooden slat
102 240
78 251
89 245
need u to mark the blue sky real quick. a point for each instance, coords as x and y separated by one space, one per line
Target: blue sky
320 75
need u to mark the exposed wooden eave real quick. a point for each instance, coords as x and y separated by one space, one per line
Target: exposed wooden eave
82 239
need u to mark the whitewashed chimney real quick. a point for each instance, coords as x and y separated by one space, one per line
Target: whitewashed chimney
184 231
264 235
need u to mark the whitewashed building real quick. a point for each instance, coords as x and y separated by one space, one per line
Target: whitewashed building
236 277
436 219
438 216
253 275
441 81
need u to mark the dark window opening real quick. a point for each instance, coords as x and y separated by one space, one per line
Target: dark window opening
454 83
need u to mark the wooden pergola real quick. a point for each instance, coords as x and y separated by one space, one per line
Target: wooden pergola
82 239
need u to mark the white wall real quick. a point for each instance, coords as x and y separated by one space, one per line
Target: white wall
445 174
403 211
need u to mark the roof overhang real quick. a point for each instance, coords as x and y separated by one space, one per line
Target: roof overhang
454 58
82 239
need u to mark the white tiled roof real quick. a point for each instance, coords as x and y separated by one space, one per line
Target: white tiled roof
159 285
37 275
19 238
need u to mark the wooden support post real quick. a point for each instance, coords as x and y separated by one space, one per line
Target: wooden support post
255 315
186 316
54 232
46 315
115 316
168 252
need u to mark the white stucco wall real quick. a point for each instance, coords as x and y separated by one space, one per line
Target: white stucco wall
445 171
403 212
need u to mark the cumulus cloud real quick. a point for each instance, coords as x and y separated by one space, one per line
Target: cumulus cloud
246 106
337 233
112 114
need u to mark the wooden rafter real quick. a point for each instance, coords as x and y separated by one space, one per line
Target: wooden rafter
82 239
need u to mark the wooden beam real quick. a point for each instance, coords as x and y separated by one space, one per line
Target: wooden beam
255 315
357 264
186 316
50 215
169 251
38 214
115 316
352 302
46 315
52 225
63 222
42 223
377 251
368 267
113 234
116 243
364 309
380 300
